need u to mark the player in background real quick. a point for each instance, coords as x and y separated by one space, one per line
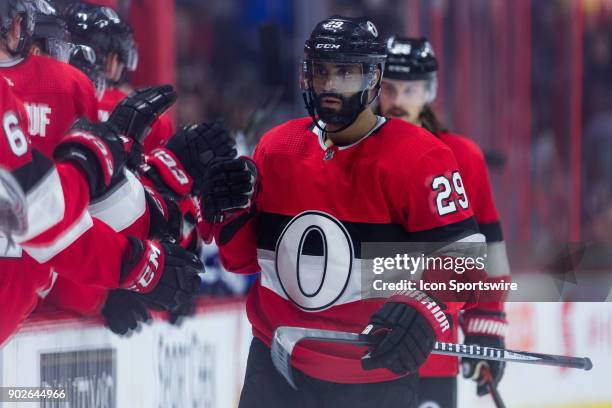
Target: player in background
45 225
50 36
408 90
111 39
328 183
166 196
53 93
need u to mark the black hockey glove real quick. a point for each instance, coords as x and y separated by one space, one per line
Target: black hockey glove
405 339
229 185
164 274
98 150
196 146
135 114
124 311
166 219
486 329
178 315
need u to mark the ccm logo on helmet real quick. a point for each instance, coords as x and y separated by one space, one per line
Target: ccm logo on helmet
328 46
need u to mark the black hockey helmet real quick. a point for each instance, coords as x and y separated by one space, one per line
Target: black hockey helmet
410 59
102 29
9 10
84 58
50 31
353 42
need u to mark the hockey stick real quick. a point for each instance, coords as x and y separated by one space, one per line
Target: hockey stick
285 339
485 373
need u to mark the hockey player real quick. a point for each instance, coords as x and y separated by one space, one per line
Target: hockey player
111 38
329 183
44 211
50 36
408 90
53 93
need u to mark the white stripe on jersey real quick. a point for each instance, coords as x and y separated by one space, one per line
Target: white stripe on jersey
122 207
45 206
496 263
44 253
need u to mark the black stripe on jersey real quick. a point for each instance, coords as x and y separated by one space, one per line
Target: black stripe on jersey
270 226
492 231
30 174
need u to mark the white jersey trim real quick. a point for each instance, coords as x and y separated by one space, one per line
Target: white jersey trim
11 62
311 277
497 260
380 120
45 206
122 207
43 254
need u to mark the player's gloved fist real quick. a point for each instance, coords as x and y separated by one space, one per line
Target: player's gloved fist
166 219
404 339
196 146
135 114
165 275
124 311
97 149
229 184
487 330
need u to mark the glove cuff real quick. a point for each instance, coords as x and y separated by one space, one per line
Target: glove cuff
428 307
477 324
91 154
142 266
170 171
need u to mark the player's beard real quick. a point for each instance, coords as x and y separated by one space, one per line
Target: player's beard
350 108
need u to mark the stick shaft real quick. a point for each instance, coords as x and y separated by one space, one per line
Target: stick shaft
490 353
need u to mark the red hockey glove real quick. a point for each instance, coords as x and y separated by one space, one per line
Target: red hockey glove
164 274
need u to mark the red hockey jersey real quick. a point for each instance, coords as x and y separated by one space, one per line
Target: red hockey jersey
315 209
54 94
61 234
477 183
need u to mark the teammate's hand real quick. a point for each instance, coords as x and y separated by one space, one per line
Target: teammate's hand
196 146
135 114
97 149
487 330
166 219
406 338
229 185
165 275
124 311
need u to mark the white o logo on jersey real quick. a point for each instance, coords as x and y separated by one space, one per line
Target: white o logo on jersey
429 404
310 284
